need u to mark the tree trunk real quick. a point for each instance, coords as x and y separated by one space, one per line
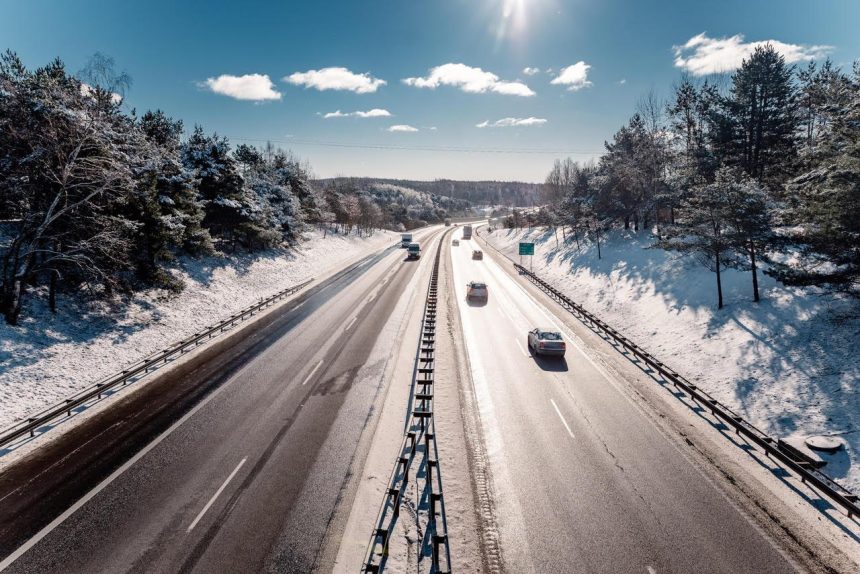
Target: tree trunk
52 293
598 243
719 284
13 307
754 270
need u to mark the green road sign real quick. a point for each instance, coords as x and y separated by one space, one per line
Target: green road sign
527 248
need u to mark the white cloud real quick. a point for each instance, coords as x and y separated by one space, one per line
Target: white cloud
511 122
702 55
336 79
468 79
374 113
255 87
531 71
575 77
402 128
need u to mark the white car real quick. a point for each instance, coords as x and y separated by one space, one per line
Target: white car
546 342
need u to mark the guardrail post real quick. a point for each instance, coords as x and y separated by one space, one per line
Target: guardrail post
438 539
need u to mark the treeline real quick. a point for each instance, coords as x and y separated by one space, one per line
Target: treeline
765 169
97 200
401 207
509 193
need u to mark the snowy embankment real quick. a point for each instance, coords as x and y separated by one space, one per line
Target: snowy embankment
788 363
48 357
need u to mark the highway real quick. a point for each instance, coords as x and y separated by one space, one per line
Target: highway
235 461
245 456
584 482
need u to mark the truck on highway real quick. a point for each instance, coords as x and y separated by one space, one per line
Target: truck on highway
405 240
413 251
467 232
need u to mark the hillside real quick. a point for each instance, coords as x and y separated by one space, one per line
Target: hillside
510 193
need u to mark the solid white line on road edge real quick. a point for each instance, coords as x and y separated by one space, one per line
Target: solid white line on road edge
520 345
311 374
348 325
299 305
216 495
564 422
103 484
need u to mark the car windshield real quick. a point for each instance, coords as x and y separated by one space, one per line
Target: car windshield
550 336
478 286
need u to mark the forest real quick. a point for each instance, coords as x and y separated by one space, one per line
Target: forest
759 171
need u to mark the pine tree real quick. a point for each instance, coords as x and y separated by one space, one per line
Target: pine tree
165 201
826 205
701 228
749 227
229 212
759 125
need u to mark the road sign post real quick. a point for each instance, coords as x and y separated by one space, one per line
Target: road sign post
527 249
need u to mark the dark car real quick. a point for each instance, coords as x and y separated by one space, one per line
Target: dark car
477 254
476 291
546 342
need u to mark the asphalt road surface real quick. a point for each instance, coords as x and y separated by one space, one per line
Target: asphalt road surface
232 462
584 481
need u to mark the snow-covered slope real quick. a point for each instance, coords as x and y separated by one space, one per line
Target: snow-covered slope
789 363
48 357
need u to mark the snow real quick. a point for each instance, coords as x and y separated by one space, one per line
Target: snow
49 357
787 363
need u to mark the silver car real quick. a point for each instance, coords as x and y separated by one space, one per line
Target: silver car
546 342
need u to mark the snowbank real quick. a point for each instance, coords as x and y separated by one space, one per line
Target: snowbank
788 363
49 357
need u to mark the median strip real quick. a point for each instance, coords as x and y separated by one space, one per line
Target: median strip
417 448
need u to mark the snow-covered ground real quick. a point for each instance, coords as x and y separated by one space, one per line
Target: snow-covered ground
788 364
48 357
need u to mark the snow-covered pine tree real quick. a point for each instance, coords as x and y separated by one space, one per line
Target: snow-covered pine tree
825 208
757 129
230 214
165 201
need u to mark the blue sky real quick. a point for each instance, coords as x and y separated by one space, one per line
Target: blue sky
594 60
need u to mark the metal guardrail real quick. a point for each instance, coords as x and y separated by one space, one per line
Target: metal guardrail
141 368
803 468
419 441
